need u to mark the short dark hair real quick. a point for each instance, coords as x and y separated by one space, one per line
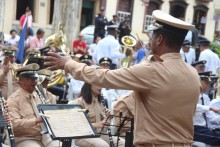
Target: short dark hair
172 39
114 16
86 93
40 31
13 31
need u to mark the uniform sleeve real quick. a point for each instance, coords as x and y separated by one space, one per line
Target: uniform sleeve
202 57
52 98
202 108
138 77
18 122
213 118
2 74
77 101
115 53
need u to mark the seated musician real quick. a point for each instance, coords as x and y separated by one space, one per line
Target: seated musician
45 75
90 99
27 124
8 84
111 94
199 66
125 106
76 85
202 131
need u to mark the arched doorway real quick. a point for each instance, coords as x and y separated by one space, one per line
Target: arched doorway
178 8
87 15
148 19
21 6
199 18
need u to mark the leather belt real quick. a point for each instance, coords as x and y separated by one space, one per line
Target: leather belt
164 145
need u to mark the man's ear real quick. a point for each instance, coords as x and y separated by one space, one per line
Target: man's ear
159 40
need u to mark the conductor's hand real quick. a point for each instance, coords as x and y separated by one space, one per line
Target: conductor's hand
55 61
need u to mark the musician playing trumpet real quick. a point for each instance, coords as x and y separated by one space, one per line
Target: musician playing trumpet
90 99
8 83
23 111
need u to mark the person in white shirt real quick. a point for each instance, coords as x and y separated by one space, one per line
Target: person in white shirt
212 59
75 86
187 53
202 133
13 40
214 117
109 47
92 47
189 36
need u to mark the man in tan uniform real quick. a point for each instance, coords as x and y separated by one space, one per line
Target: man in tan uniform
166 89
25 119
8 82
45 77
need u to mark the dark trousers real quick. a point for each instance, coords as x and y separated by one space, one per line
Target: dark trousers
207 136
58 91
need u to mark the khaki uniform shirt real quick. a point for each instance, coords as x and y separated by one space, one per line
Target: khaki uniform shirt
95 108
22 114
166 94
4 81
50 97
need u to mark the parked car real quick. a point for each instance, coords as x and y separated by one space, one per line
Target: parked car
88 33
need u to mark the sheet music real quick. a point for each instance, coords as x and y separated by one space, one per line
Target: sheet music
68 123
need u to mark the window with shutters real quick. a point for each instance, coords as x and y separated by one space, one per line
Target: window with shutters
153 5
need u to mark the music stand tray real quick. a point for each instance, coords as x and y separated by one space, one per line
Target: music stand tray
66 121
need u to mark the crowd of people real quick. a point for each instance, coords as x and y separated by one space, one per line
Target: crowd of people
172 96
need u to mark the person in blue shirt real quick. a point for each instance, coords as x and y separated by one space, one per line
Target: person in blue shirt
141 53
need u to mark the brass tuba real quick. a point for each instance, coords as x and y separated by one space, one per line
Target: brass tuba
129 42
58 40
56 78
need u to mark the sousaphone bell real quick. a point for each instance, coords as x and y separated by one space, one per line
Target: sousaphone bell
129 42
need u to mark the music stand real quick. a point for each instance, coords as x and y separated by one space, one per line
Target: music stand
66 122
123 121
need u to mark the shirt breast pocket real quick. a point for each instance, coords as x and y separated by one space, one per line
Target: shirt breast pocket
92 117
27 112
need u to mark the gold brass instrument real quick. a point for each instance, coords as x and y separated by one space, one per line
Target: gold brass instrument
58 40
57 78
128 42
